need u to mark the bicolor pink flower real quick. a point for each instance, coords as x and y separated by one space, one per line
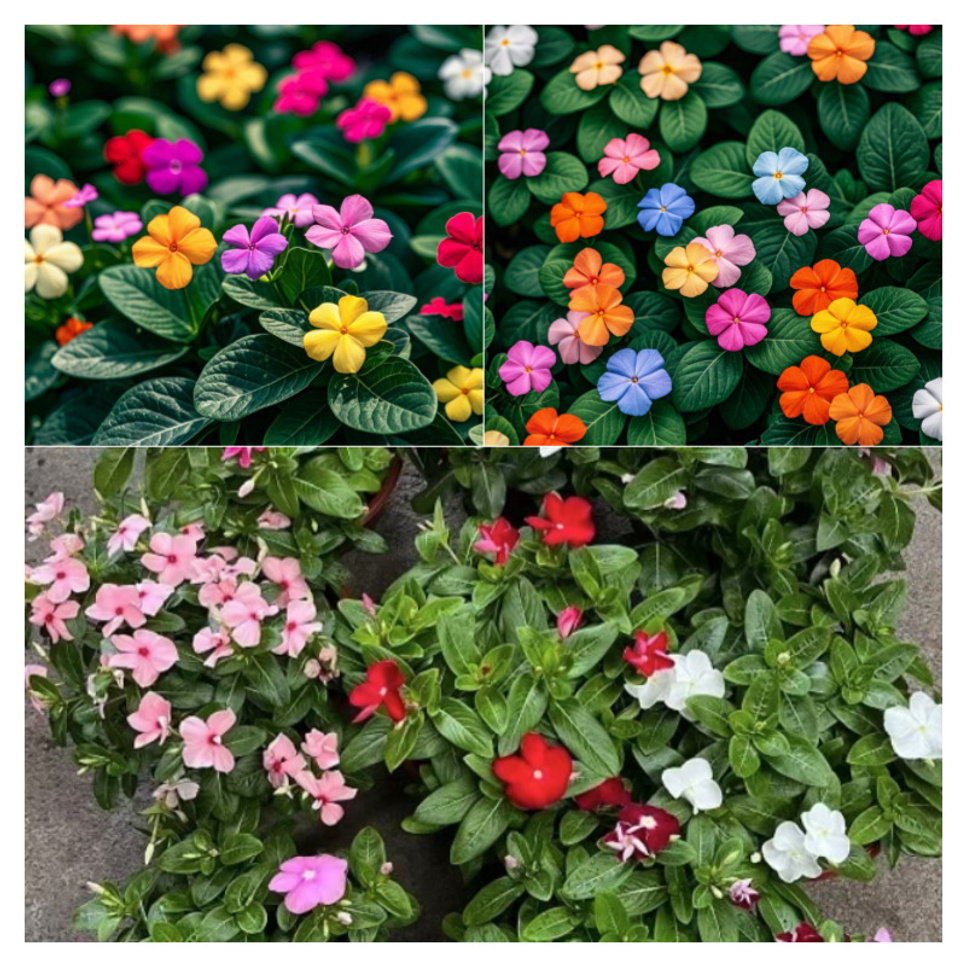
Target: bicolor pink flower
568 620
527 368
927 209
34 671
728 251
242 453
296 208
368 604
216 644
152 720
273 520
286 574
282 761
808 209
128 531
522 153
65 577
744 895
564 335
203 741
45 511
171 558
300 625
327 791
145 654
625 157
51 616
738 319
309 881
244 614
676 501
322 748
349 232
117 605
152 596
65 546
794 38
498 538
327 59
886 232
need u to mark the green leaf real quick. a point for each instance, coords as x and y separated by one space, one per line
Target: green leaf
302 269
889 70
896 309
303 421
803 763
157 412
604 421
597 127
719 86
782 253
893 150
508 200
483 824
449 803
723 171
508 92
683 122
522 275
872 751
240 848
781 78
367 855
324 489
790 339
526 703
417 143
112 471
631 105
550 925
462 726
929 55
138 296
601 871
718 923
561 95
705 376
843 110
563 173
884 365
584 736
772 131
114 350
657 481
491 900
661 425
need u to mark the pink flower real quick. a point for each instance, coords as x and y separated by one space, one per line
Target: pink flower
286 574
327 792
298 210
728 251
927 209
369 604
886 232
349 232
152 596
282 761
196 531
527 368
737 319
677 501
172 558
46 510
744 895
217 642
794 38
806 210
439 306
300 625
499 538
65 577
126 535
244 614
368 119
327 59
568 620
883 936
218 593
917 30
322 748
523 153
83 196
563 334
117 605
624 157
34 671
300 93
65 546
203 747
146 655
243 453
273 520
151 719
310 881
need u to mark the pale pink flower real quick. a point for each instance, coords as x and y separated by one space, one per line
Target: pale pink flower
273 520
34 671
210 569
286 574
568 620
806 210
327 792
218 593
196 531
728 251
625 157
125 537
312 668
152 596
171 558
152 719
65 577
65 546
217 642
677 501
117 605
350 232
328 658
322 748
46 510
244 614
172 793
300 625
369 605
883 936
572 349
203 741
145 655
281 760
51 616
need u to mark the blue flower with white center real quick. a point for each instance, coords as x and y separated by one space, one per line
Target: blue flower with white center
665 209
779 175
634 380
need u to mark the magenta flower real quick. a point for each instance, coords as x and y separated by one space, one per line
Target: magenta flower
522 153
350 232
216 644
146 655
203 741
309 881
117 605
296 209
327 59
244 454
286 574
117 227
624 157
322 748
152 720
527 368
59 87
300 625
568 620
737 319
327 791
83 196
728 251
917 30
125 537
886 232
806 210
171 558
152 596
927 209
367 120
65 576
301 93
244 614
173 166
282 761
563 334
253 254
794 38
51 617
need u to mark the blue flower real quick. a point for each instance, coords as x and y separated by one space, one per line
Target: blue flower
665 209
634 380
779 175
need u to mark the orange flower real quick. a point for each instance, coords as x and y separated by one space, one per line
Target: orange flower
174 243
810 388
45 206
589 269
841 53
606 316
859 416
401 94
164 36
578 216
819 286
70 330
546 428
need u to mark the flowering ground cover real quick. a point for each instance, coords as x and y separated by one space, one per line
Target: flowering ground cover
248 235
715 234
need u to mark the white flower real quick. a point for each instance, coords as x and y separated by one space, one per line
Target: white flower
654 690
547 451
509 47
694 781
463 74
927 405
825 834
787 855
693 675
916 731
47 261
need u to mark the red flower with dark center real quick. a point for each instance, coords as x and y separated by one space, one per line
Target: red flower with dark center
538 776
804 933
462 251
641 832
125 154
649 653
438 306
381 688
567 521
498 538
612 793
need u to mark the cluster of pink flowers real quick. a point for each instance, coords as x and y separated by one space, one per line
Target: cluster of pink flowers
301 92
887 231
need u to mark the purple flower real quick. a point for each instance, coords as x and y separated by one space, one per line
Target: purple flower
886 232
173 166
115 228
309 881
84 196
349 232
59 87
253 254
523 153
296 209
527 368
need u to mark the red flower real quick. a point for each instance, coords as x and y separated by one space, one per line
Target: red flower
567 521
438 306
649 654
612 793
381 687
804 933
499 538
463 250
125 154
641 832
538 776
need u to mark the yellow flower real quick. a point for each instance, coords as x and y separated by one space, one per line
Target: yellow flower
346 331
689 269
400 94
845 326
668 71
174 243
462 392
230 77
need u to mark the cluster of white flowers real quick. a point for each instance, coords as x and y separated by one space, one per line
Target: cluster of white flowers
794 850
693 674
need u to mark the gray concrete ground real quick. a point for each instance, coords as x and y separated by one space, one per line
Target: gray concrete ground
70 841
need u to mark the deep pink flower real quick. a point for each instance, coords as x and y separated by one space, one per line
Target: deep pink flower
327 59
462 250
152 596
917 30
300 93
349 232
125 537
173 166
59 87
282 761
171 558
365 121
117 605
649 653
738 319
152 719
327 791
296 209
728 251
625 157
65 576
217 642
243 453
527 368
886 232
300 625
438 306
145 655
564 335
794 38
322 748
51 616
568 620
498 538
286 574
245 613
806 210
522 153
203 741
310 881
927 209
36 671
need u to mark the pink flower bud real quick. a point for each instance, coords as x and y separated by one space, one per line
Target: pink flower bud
568 620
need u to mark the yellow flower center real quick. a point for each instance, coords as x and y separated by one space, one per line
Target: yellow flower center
663 208
778 175
505 42
823 288
736 320
523 152
667 70
885 231
38 259
467 74
811 389
344 329
599 65
626 159
717 254
466 389
844 323
526 369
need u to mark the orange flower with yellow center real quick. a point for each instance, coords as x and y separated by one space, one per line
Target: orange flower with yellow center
546 428
689 270
859 416
174 243
841 53
818 286
401 94
808 389
845 327
578 216
605 314
590 269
